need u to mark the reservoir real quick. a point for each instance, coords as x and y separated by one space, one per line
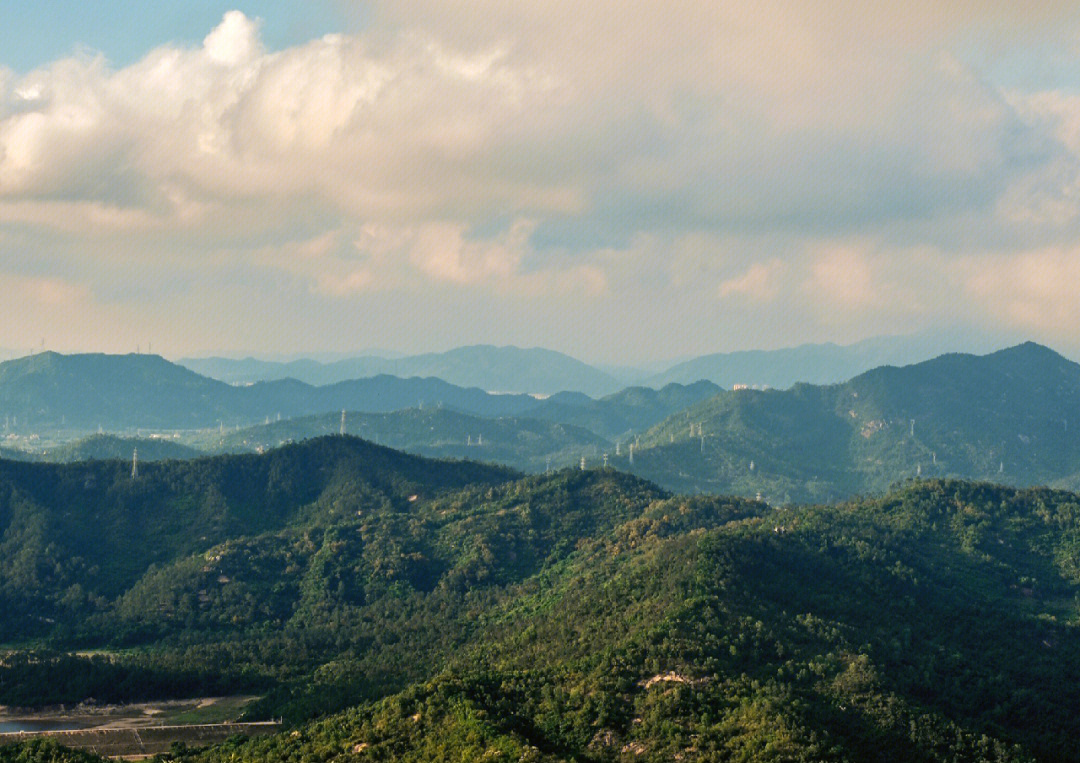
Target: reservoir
13 725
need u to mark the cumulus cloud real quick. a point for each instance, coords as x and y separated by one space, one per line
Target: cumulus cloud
689 160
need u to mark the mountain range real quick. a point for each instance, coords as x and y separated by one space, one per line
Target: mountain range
540 371
826 363
495 369
1009 416
126 392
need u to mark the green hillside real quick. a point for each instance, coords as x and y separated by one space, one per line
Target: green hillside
1003 417
51 392
522 443
393 608
73 537
106 446
621 414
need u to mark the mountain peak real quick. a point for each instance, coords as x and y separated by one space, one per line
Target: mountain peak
1028 349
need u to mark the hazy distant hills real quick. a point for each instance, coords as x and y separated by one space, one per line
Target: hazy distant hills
633 409
106 446
523 443
99 447
1010 416
540 371
72 393
812 363
124 392
495 369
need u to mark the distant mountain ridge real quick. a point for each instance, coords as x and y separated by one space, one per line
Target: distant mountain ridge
1011 416
123 392
494 369
547 372
826 363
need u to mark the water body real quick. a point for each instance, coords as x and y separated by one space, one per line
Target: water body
9 726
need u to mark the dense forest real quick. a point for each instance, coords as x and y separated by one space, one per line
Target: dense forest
1010 417
393 608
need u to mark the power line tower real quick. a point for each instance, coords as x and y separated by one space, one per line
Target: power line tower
135 464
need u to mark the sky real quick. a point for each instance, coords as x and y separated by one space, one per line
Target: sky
627 182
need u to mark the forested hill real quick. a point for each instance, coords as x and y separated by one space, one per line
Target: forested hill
75 534
51 391
105 446
622 413
589 617
519 442
1012 416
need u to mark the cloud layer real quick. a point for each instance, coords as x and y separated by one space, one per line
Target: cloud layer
625 181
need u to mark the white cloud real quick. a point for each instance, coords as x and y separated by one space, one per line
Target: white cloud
681 160
1035 291
759 282
234 41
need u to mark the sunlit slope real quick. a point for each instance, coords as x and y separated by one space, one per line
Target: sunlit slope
1004 416
936 623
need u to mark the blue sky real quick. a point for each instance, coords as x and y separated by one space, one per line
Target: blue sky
623 183
36 34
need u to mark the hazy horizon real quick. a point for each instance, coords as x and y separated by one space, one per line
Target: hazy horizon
930 346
